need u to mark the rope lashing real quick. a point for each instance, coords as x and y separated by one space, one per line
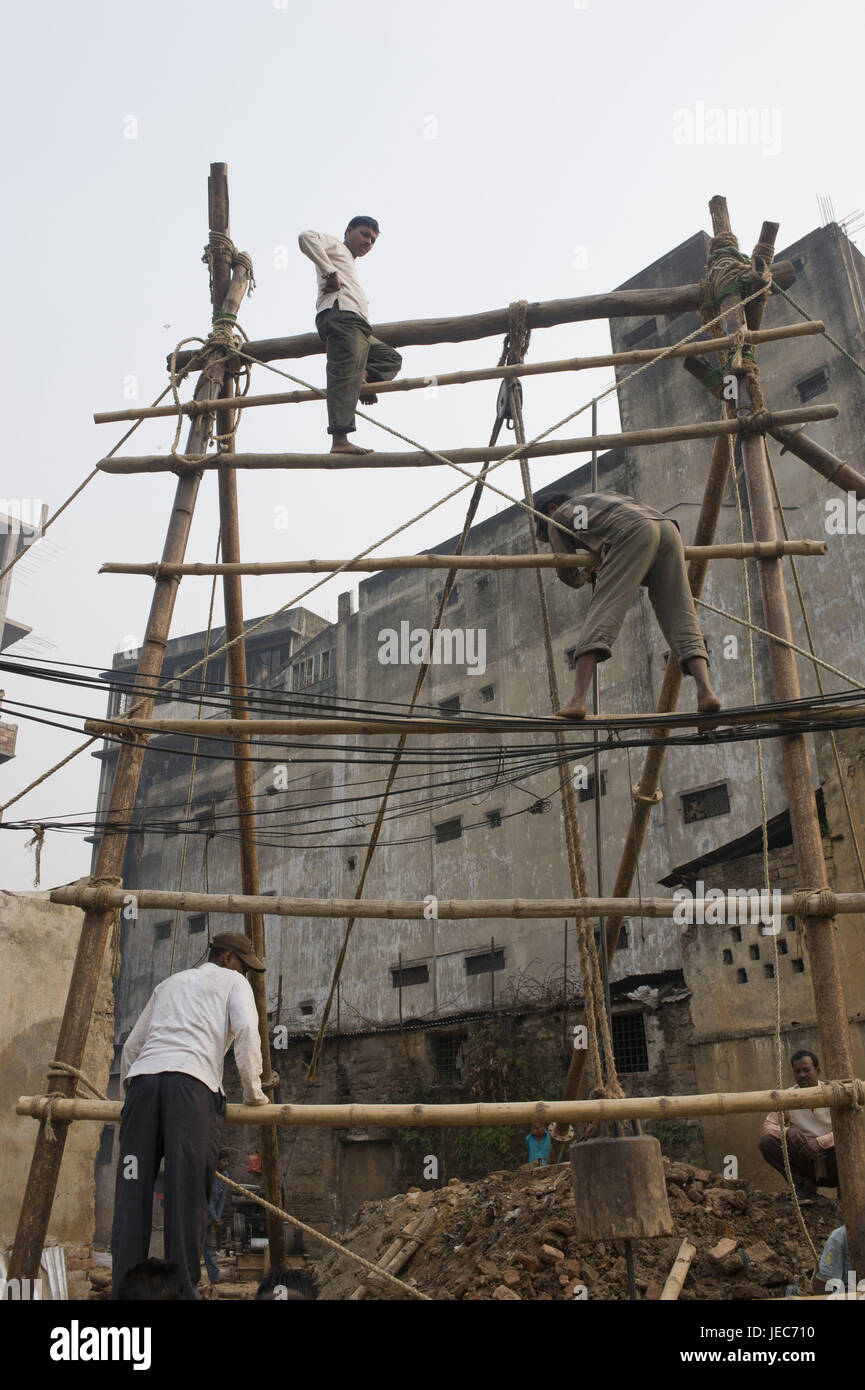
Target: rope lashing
826 904
652 800
219 242
57 1068
325 1240
36 844
758 421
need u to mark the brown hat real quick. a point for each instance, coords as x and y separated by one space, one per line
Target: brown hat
239 944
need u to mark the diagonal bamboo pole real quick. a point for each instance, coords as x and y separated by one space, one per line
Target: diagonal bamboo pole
95 930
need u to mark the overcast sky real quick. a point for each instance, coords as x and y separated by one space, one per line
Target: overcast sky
508 150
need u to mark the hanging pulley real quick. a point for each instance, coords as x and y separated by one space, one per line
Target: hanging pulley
503 404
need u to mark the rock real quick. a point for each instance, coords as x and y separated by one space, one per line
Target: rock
551 1254
502 1291
725 1247
702 1175
654 1290
559 1228
522 1257
511 1277
759 1252
678 1173
489 1268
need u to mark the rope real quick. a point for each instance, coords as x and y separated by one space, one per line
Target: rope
834 341
376 1270
826 902
783 641
36 844
57 1068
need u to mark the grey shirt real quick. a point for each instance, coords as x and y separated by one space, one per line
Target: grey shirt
593 521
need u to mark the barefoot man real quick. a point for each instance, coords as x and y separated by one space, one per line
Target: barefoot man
354 357
632 544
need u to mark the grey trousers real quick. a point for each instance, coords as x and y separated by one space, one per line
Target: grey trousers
173 1116
801 1166
351 351
649 551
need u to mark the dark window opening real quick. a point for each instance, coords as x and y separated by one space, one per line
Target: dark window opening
798 965
409 975
754 952
736 933
488 961
703 805
629 1042
639 335
782 947
727 956
791 924
325 665
817 384
769 970
449 1058
483 582
449 830
451 705
453 597
488 693
494 819
197 922
306 1006
587 793
162 931
741 977
352 861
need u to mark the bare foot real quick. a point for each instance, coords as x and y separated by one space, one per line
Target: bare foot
707 702
348 449
367 398
575 709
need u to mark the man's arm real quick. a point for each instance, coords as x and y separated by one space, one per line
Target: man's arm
772 1124
316 246
243 1020
135 1041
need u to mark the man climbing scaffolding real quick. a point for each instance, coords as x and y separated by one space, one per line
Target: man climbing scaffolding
632 544
355 358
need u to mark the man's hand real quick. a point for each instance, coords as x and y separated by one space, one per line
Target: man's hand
332 283
813 1149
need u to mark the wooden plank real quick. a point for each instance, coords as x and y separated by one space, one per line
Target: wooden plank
673 299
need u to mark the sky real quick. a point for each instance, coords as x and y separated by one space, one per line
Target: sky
508 151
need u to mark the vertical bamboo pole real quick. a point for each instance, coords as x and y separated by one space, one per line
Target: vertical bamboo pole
820 932
96 927
243 781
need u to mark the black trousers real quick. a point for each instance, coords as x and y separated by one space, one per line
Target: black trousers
801 1166
173 1116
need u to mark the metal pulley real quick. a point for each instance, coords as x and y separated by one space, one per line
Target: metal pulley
619 1189
503 404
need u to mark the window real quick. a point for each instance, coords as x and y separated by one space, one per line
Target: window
409 975
782 946
161 931
352 861
306 1006
624 941
736 933
817 384
629 1042
727 956
482 582
754 952
587 793
639 335
325 665
488 693
449 830
769 970
197 922
451 705
703 805
494 819
485 963
741 977
798 965
791 924
449 1058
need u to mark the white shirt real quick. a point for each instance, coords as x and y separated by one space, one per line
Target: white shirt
329 254
188 1025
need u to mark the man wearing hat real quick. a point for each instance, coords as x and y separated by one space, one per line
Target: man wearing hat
171 1071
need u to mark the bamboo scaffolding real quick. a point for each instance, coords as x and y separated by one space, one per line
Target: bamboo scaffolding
95 930
419 383
733 551
671 299
732 905
678 1273
547 448
842 1096
835 716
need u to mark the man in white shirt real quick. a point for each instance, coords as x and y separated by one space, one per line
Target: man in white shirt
354 356
810 1141
171 1070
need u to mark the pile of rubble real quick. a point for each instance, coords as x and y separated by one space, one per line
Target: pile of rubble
511 1236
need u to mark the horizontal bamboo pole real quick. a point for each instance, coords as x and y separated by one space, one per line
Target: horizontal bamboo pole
670 299
736 550
836 715
418 383
450 909
840 1095
547 448
678 1274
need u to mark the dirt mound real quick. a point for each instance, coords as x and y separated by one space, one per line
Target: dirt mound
511 1236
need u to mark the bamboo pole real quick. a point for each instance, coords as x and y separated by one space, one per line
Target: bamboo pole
97 924
546 448
732 551
821 933
841 1096
678 1274
731 907
418 383
671 299
830 716
398 1254
229 530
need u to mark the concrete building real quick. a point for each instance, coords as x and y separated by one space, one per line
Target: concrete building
477 817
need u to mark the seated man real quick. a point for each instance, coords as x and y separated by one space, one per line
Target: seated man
810 1142
632 544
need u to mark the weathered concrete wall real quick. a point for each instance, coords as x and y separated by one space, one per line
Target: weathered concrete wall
38 940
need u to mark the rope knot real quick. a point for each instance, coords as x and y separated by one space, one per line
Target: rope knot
826 904
756 423
36 844
656 796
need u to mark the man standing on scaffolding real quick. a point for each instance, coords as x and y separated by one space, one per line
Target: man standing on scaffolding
354 357
631 544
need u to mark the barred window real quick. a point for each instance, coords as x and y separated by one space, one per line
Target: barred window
629 1042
